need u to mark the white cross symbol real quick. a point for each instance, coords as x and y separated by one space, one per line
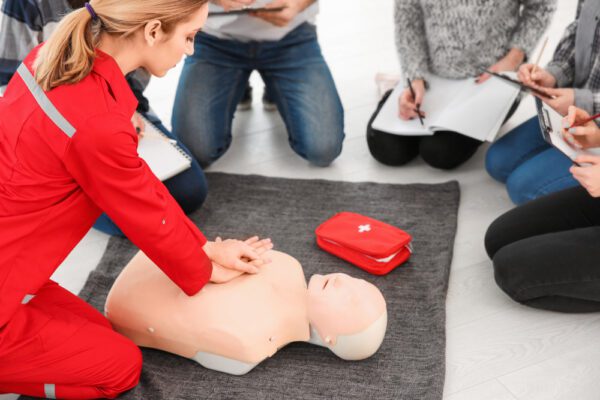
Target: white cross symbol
364 228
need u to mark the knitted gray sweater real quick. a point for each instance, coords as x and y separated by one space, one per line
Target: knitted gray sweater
455 38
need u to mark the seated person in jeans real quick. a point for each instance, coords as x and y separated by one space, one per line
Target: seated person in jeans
24 25
521 159
283 47
496 35
546 252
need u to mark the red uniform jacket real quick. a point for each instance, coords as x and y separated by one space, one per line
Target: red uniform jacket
67 155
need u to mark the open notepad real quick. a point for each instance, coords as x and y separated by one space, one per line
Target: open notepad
475 110
165 159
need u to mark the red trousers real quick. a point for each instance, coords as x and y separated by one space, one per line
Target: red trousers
58 346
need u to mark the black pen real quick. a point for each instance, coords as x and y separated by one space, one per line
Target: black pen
412 92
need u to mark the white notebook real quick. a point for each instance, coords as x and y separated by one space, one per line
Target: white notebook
165 159
458 105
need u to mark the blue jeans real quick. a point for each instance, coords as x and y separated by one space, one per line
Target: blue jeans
189 188
528 165
296 77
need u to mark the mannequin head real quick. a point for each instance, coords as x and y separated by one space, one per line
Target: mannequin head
349 315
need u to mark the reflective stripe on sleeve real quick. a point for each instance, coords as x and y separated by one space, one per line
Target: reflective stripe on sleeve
44 102
27 298
50 390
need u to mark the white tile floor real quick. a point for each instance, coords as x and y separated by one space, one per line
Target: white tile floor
496 349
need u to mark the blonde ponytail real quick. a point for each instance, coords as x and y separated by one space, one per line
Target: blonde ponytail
68 55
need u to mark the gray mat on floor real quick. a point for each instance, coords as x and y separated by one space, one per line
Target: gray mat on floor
410 363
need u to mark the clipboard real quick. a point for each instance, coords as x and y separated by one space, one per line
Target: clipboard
244 10
519 84
551 126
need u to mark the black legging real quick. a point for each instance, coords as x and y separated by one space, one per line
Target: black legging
443 150
546 253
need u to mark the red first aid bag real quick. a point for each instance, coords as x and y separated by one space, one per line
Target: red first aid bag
365 242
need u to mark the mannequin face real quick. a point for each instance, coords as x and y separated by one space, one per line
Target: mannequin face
341 305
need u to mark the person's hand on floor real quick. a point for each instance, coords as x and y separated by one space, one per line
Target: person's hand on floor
538 78
285 16
510 62
588 176
563 99
243 256
229 5
585 136
407 104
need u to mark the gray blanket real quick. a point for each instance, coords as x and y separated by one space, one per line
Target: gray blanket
410 363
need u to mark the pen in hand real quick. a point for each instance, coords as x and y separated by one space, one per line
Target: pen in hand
585 121
539 57
412 92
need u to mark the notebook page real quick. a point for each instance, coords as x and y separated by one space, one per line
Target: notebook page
478 110
164 159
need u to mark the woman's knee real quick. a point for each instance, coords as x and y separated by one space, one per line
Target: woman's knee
448 151
206 132
320 149
208 151
508 272
521 187
393 150
495 237
496 161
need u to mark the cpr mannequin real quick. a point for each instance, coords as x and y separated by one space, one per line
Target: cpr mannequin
233 326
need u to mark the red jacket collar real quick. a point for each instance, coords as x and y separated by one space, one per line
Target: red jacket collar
107 67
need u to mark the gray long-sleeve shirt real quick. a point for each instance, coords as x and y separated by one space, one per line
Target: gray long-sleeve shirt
456 38
576 60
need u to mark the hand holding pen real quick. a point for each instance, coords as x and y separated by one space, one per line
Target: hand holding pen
580 130
411 99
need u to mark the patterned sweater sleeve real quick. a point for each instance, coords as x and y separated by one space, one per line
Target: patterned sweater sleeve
411 39
535 17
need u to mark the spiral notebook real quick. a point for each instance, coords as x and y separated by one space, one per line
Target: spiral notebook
164 157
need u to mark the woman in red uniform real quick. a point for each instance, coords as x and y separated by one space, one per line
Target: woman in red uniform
68 151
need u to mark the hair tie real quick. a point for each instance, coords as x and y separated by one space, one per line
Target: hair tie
90 9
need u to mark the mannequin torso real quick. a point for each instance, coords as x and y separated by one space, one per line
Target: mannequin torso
233 326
